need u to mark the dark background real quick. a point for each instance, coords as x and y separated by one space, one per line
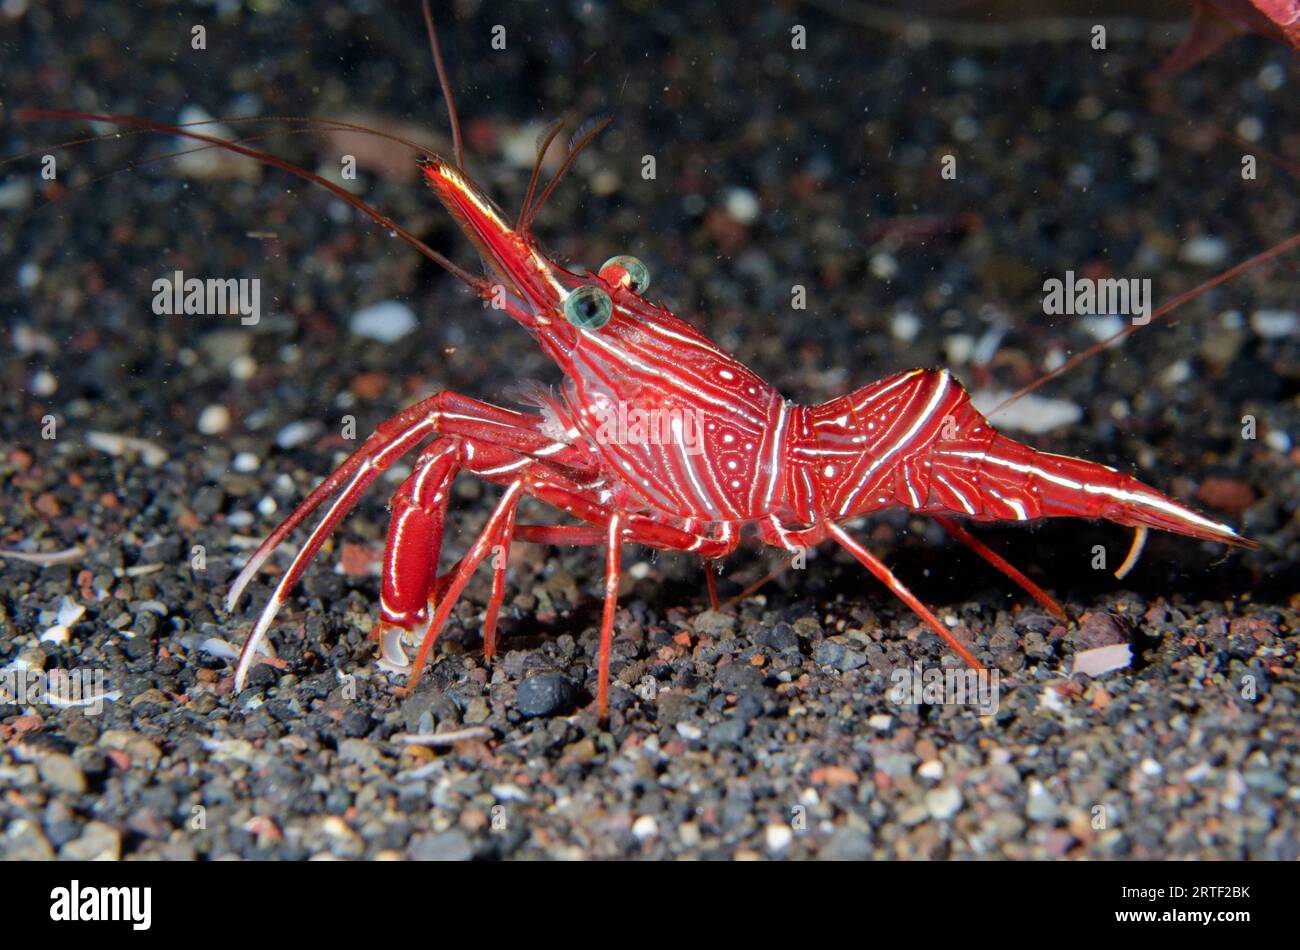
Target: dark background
1068 158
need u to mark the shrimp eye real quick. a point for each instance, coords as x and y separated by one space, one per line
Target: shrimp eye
588 307
627 271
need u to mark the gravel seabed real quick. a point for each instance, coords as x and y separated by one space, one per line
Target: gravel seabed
763 731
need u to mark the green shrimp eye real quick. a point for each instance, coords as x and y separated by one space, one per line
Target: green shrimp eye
637 275
588 307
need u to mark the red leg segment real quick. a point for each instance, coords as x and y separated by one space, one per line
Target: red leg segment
582 535
499 445
978 546
389 442
500 561
886 576
712 584
525 475
613 571
445 413
481 548
419 512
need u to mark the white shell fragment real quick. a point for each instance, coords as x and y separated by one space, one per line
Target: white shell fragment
298 433
211 164
1032 414
1205 251
1101 660
387 321
69 613
56 634
742 205
151 453
214 420
1274 324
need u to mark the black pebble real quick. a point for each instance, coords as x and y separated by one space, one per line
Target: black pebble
545 694
839 657
356 723
781 638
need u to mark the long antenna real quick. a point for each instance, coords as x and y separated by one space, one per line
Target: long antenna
1275 251
542 149
457 144
526 222
478 284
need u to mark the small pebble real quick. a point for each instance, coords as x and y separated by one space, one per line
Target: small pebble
837 656
142 750
944 802
44 383
1205 251
883 265
1272 77
742 205
448 846
15 195
545 694
211 164
714 623
243 368
965 128
1104 326
1274 324
298 433
70 612
645 827
63 773
850 844
24 841
1040 805
778 838
246 462
1250 128
152 454
519 144
689 731
1177 374
56 634
387 321
98 842
905 326
29 275
1033 414
932 770
214 420
958 348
